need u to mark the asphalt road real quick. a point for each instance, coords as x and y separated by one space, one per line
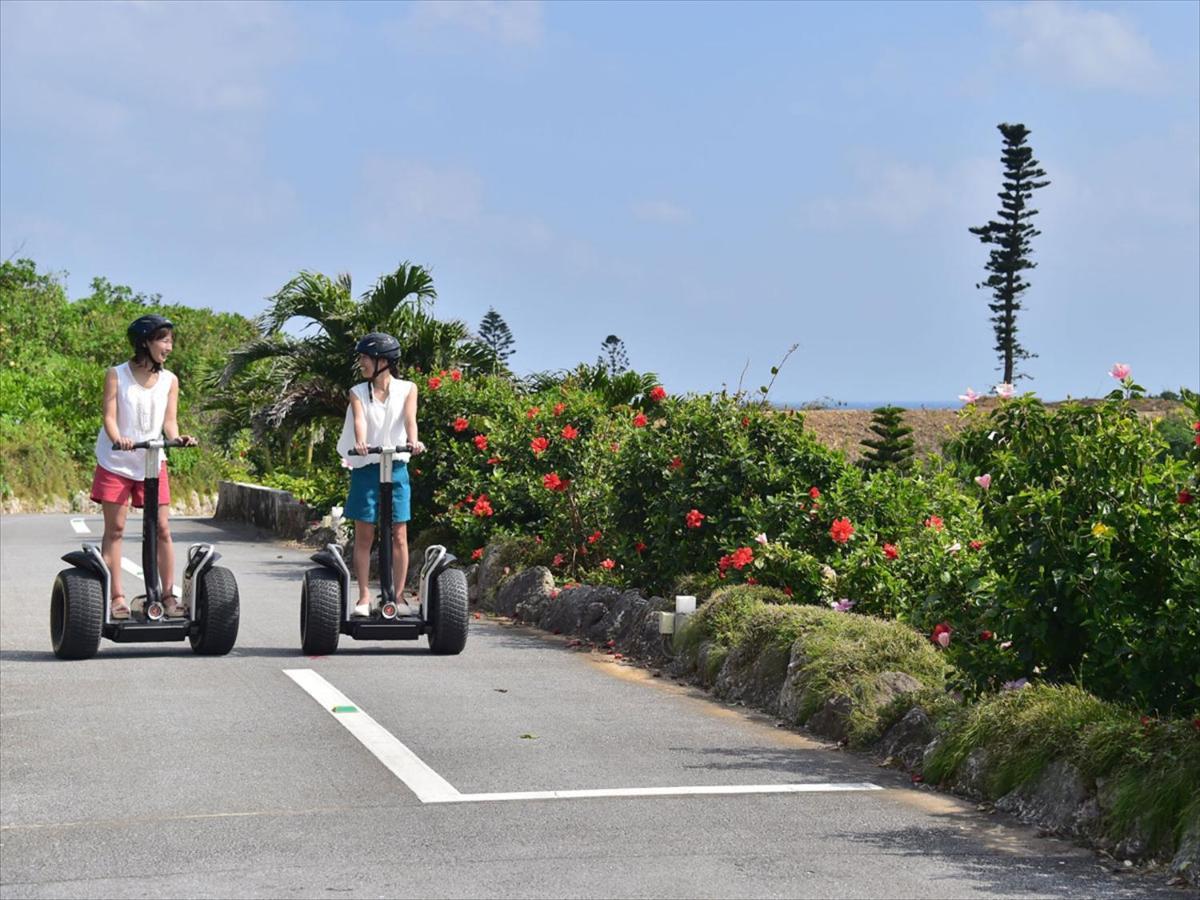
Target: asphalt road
150 772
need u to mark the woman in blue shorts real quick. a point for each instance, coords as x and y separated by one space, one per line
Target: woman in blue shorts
382 412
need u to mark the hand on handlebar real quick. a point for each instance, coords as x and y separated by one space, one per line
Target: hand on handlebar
417 447
360 448
187 440
123 443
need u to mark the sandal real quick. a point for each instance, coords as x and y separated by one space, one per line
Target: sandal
119 608
174 609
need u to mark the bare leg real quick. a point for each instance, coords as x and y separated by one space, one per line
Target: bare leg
364 535
400 555
110 545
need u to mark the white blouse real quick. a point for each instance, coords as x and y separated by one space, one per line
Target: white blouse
141 412
384 421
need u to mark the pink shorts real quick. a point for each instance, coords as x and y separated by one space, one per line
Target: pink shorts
109 487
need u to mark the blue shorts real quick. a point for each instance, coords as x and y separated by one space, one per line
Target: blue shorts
363 503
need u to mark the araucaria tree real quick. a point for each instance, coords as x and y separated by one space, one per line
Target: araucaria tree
1011 236
894 447
497 337
613 356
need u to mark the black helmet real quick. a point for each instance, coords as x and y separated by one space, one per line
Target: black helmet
145 327
379 346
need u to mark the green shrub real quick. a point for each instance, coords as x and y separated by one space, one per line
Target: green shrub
1096 560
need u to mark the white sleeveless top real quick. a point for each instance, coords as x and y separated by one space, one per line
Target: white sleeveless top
140 415
384 421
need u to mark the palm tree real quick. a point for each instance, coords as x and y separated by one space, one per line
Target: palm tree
307 377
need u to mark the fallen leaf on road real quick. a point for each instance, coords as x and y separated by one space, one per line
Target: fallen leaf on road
529 737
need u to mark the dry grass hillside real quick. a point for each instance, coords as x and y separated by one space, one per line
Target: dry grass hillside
845 429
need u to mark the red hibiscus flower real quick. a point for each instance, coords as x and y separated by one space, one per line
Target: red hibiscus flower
976 545
788 591
481 441
470 498
434 383
552 482
558 408
557 561
934 522
607 564
461 424
741 557
639 547
941 634
493 460
694 518
639 421
483 507
594 536
532 411
840 530
724 563
455 375
1185 497
750 579
658 393
890 551
745 421
477 553
676 463
569 432
985 635
815 493
538 445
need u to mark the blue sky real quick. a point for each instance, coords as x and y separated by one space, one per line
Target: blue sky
711 182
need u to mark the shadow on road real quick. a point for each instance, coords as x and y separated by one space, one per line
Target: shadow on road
1002 860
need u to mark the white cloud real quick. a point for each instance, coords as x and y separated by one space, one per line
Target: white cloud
512 23
1085 47
899 195
662 211
400 194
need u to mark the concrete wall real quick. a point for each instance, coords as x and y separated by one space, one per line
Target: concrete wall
269 508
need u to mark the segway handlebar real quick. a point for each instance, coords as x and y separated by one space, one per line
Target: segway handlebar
399 448
146 445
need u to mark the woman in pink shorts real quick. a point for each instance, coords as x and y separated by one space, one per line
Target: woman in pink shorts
140 400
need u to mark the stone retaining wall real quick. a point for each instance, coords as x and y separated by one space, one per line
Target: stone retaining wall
272 509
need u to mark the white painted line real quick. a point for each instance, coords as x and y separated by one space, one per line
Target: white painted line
80 526
136 571
427 784
814 788
430 787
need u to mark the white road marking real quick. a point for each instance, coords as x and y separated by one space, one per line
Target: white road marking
80 526
136 571
427 784
430 787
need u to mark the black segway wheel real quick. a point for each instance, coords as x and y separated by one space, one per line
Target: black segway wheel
450 613
218 613
76 614
320 612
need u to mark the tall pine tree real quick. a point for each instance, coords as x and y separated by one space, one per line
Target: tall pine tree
613 356
497 337
894 448
1011 236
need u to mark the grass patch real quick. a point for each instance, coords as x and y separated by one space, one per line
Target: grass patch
843 654
1152 769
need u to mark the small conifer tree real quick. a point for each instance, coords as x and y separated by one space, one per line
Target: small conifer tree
497 337
893 448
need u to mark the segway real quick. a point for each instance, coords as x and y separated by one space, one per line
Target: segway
325 604
81 601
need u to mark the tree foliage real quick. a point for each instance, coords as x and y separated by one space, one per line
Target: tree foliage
893 448
1011 234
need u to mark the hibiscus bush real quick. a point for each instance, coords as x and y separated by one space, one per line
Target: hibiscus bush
1094 545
